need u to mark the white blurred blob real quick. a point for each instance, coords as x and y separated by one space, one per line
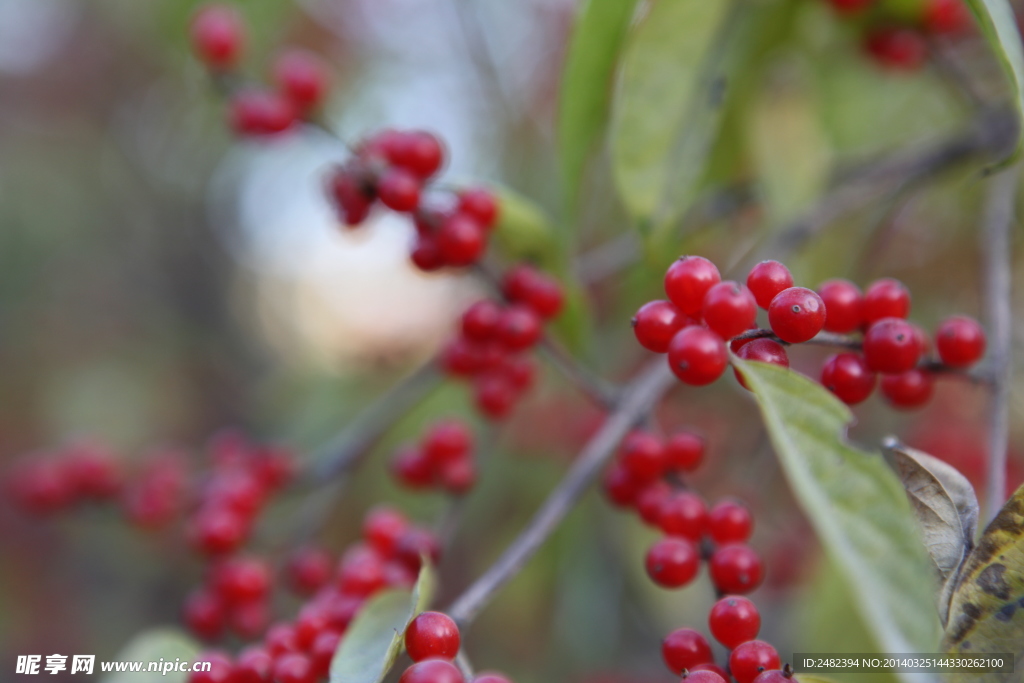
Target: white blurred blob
32 32
319 293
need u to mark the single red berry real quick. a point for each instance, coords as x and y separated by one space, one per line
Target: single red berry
432 634
217 36
415 545
714 668
382 528
729 522
311 622
249 620
650 501
205 614
220 669
684 451
253 665
94 471
480 321
642 455
796 315
308 569
458 476
896 48
765 351
419 152
519 328
258 112
321 652
294 667
844 305
672 562
688 280
729 309
910 389
892 346
775 676
280 639
751 658
847 376
766 280
684 514
683 649
697 356
446 441
946 16
426 254
412 469
432 671
620 487
526 285
734 620
461 240
302 77
361 573
703 676
218 530
656 323
960 341
735 568
240 579
399 190
494 395
886 298
352 193
480 204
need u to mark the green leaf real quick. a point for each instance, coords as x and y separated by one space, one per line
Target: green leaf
525 231
597 39
374 639
856 505
151 646
999 26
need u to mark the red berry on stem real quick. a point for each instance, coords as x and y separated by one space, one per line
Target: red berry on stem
892 346
541 292
481 320
253 665
656 323
751 658
412 469
730 522
361 573
432 671
729 309
294 667
217 36
697 356
302 77
642 455
480 204
459 476
960 341
258 112
426 254
713 668
847 376
416 544
672 562
734 620
494 395
650 501
432 634
311 622
688 280
383 527
240 579
308 569
399 190
419 152
886 298
844 305
684 451
218 530
684 514
460 240
620 487
910 389
796 315
446 441
735 568
766 280
683 649
519 328
764 351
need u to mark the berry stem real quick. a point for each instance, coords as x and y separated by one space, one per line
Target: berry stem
465 666
638 398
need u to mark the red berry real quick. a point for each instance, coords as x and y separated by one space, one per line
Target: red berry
519 370
249 619
480 321
886 298
620 487
946 16
735 568
308 569
311 622
683 649
426 254
650 501
751 658
412 469
302 77
684 451
910 389
642 455
774 676
432 671
729 309
416 544
480 204
204 614
220 669
419 152
41 485
672 562
520 328
892 346
656 323
734 620
238 490
960 341
361 573
321 652
494 395
847 376
280 639
844 305
94 471
897 48
491 677
382 529
766 280
399 190
729 522
253 665
765 351
430 635
684 514
241 579
713 668
526 285
351 193
703 676
217 35
459 476
258 112
796 315
218 530
697 356
688 280
294 668
447 441
341 610
461 240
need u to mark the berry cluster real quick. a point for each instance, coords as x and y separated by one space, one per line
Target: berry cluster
300 80
234 596
79 473
703 312
444 459
432 641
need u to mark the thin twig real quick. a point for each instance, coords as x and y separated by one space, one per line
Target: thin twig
995 234
638 398
596 388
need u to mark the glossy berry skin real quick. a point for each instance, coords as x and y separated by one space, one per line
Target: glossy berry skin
766 280
729 309
672 562
796 315
432 635
892 346
420 152
848 377
302 77
399 190
480 204
735 568
734 620
684 515
896 48
886 298
751 658
703 676
650 500
260 113
763 351
220 669
684 451
480 321
460 240
656 323
382 529
729 522
294 667
908 390
642 455
432 671
217 36
960 341
697 356
844 305
684 649
253 665
519 328
688 280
